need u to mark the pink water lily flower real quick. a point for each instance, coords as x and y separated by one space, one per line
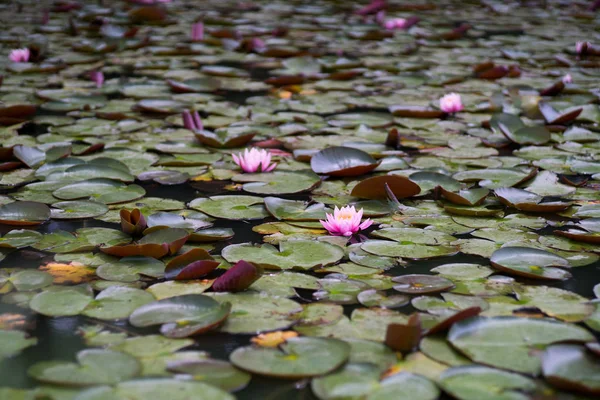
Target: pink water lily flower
567 78
451 103
197 32
394 24
19 55
192 121
345 221
97 77
254 160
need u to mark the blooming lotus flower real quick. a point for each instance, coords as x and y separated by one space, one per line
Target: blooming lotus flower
451 103
345 221
197 32
254 160
19 55
97 77
395 23
192 121
567 78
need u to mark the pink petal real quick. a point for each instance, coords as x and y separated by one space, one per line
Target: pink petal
367 223
187 120
198 125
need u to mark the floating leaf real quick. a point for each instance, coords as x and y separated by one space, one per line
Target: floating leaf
342 161
507 342
193 264
182 316
375 187
237 278
26 213
297 358
94 367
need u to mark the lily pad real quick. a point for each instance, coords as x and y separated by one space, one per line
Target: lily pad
25 213
94 367
297 358
342 161
507 342
182 316
530 263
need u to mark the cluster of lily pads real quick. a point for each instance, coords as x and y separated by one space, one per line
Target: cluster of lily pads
424 183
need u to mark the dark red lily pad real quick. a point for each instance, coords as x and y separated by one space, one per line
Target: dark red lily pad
447 323
238 278
194 264
404 337
375 187
156 244
553 117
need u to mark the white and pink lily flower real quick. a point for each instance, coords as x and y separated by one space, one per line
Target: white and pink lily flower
345 221
19 55
254 160
395 24
451 103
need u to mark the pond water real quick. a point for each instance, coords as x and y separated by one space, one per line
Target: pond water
467 132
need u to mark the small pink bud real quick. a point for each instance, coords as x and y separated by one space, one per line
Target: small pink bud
97 77
567 78
192 121
19 55
197 32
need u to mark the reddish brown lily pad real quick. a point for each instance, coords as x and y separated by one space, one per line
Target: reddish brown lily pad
194 264
156 244
238 278
375 187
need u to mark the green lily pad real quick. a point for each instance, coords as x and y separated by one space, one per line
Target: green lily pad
295 254
253 313
572 367
299 357
410 250
483 383
231 207
12 342
158 389
57 303
77 210
530 263
182 316
94 367
508 342
219 373
117 302
26 213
